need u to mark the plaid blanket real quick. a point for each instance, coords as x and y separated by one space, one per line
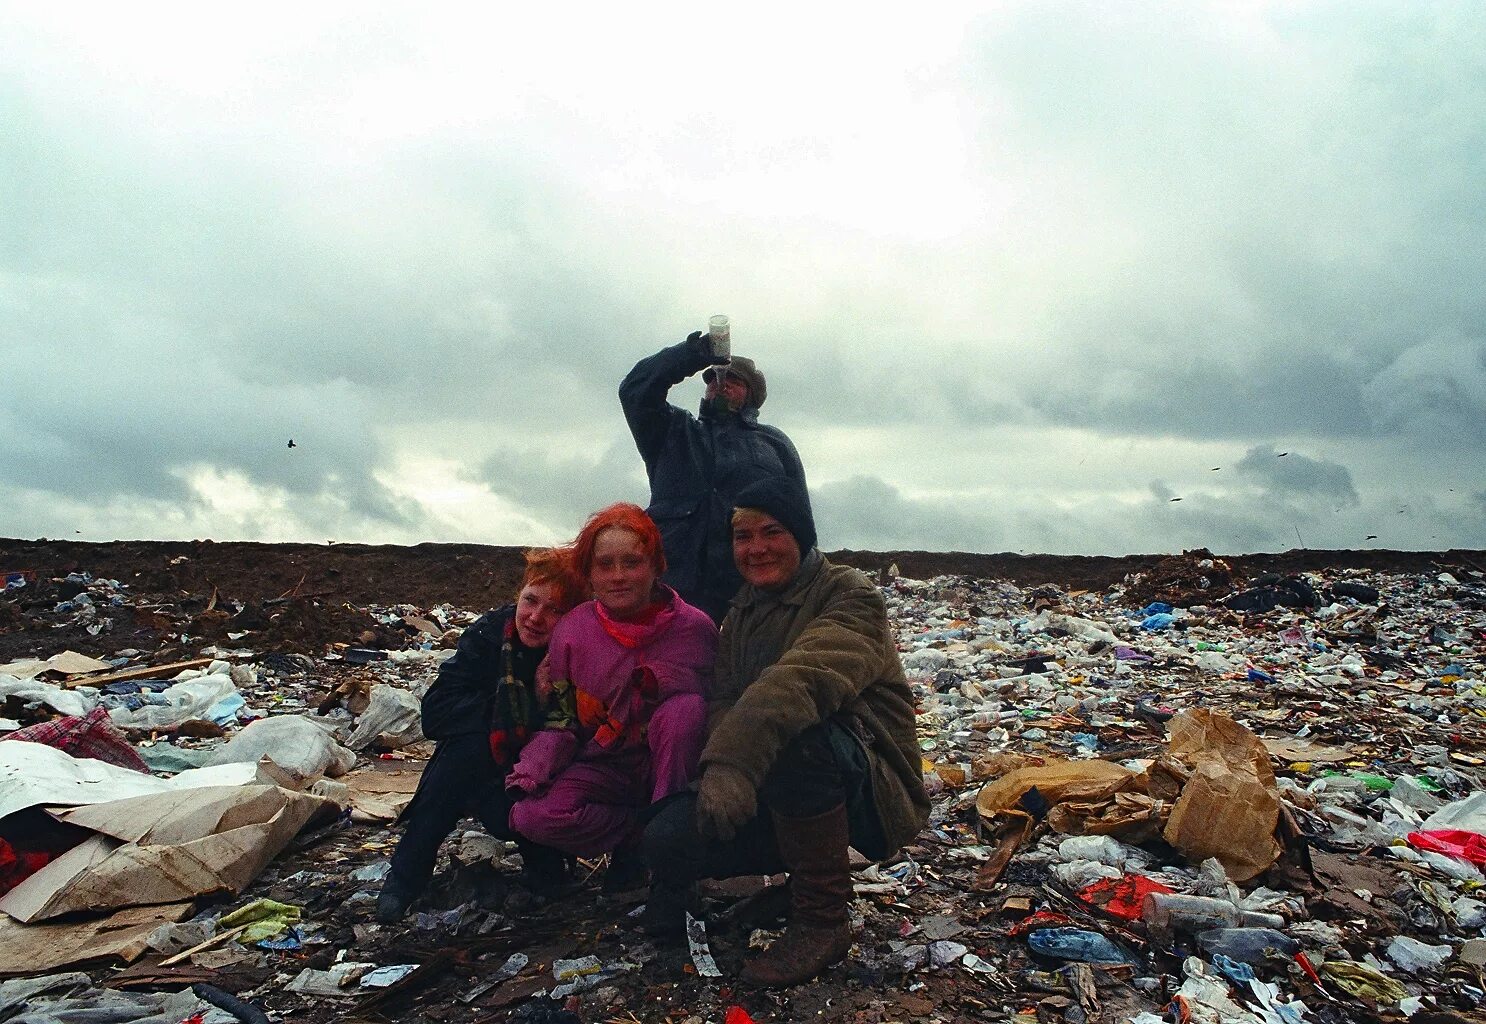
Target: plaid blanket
91 735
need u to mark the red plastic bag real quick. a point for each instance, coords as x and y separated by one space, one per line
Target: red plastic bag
1469 846
1121 896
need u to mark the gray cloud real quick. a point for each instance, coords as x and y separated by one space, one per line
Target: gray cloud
565 490
1285 213
865 512
1296 476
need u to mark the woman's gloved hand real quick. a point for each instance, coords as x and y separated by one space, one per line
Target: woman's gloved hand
725 801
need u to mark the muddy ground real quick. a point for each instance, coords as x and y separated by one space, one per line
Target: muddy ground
309 599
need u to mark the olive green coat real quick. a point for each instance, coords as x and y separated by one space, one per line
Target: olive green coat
791 659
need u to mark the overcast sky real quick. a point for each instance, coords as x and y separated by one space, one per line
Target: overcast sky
1021 275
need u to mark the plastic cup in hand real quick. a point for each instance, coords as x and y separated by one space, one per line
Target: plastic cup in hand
718 331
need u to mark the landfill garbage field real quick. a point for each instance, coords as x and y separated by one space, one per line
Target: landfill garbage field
1166 788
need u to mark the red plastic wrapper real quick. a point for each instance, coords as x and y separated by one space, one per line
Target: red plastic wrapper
1041 919
1121 896
1306 966
18 865
1469 846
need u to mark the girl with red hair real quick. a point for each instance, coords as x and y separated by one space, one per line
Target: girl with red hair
630 673
483 707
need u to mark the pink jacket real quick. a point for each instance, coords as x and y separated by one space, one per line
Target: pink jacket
613 686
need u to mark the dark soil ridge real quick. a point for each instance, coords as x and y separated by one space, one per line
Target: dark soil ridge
477 576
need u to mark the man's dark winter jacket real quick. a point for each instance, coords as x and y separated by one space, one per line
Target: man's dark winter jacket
697 466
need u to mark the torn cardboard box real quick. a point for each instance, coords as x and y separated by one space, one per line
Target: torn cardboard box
1211 794
164 848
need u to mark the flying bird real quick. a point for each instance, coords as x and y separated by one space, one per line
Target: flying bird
1371 536
1215 469
1281 455
292 444
1176 499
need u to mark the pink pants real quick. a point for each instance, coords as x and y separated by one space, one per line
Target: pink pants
592 806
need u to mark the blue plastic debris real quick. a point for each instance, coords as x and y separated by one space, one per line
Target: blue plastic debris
1078 945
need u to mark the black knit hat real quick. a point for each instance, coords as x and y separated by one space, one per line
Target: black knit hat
742 366
787 502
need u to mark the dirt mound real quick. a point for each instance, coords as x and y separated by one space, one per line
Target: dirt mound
1193 577
466 575
300 598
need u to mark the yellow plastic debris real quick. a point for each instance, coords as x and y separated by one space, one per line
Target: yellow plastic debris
268 918
1362 981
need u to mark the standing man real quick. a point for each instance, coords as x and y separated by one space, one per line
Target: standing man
697 464
811 746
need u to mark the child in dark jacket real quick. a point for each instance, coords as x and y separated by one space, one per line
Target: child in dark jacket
487 702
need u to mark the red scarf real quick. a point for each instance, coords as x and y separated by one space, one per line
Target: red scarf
656 616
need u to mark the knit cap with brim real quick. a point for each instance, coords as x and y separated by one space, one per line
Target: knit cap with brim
742 366
787 502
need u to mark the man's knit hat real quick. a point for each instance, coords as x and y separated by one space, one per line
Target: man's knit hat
758 387
787 502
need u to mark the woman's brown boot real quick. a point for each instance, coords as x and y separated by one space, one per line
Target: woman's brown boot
815 852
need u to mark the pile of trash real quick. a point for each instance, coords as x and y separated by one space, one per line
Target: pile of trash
1261 804
1189 797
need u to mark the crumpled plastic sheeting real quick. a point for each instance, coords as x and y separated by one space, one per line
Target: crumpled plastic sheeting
1469 846
1208 998
1468 815
35 691
293 742
184 702
266 919
71 999
394 714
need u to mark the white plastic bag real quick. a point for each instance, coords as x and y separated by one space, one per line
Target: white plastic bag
392 713
35 691
293 742
1103 849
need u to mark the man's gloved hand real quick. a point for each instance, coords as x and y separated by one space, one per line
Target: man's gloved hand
725 800
702 343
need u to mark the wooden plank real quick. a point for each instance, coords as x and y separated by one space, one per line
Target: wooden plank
216 940
138 672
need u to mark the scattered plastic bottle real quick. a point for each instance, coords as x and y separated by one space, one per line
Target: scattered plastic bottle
1077 945
1174 911
983 720
1248 945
